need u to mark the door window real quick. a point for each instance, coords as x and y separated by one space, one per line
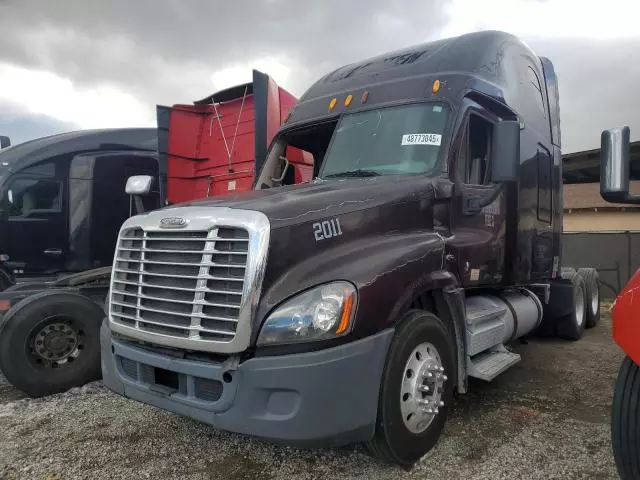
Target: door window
474 158
25 195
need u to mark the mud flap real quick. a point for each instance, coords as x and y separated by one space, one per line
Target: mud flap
560 305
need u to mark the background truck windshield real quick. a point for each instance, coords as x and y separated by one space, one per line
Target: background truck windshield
389 141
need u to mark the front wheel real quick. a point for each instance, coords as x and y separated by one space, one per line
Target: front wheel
416 391
625 421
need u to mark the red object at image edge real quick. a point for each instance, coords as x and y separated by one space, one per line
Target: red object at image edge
626 324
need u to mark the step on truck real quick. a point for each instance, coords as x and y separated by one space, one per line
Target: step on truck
625 412
351 308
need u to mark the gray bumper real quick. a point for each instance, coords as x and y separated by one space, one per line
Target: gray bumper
322 398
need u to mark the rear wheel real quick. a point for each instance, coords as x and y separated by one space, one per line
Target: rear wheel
592 293
50 342
416 391
625 421
571 326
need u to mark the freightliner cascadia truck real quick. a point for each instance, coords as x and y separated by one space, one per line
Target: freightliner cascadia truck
625 412
352 307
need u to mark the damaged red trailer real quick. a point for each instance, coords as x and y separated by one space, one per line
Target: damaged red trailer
218 144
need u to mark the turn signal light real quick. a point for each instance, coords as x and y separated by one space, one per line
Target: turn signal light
346 315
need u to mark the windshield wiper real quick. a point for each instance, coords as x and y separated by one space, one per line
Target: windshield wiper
354 173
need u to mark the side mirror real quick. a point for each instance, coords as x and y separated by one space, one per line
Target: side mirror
505 156
139 184
614 166
5 141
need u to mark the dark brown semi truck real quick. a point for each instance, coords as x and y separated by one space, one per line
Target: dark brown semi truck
351 308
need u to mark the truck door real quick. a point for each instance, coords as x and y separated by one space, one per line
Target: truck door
33 205
478 233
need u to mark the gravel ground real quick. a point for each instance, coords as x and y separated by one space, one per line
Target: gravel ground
545 418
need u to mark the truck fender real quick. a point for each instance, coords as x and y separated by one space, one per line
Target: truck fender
387 269
446 298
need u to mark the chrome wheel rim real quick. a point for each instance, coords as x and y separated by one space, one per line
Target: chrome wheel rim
422 388
595 297
579 299
56 344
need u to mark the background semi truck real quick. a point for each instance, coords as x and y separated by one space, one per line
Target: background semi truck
49 321
352 307
625 415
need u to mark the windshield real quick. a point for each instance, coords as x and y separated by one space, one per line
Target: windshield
389 141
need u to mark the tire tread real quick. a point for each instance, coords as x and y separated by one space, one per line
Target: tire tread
625 428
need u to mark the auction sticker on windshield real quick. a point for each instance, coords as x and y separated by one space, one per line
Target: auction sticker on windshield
421 139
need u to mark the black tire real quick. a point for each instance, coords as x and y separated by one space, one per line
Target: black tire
6 279
27 366
625 421
592 292
571 327
393 442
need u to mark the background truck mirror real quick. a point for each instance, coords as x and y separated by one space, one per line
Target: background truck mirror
5 141
614 166
505 158
139 184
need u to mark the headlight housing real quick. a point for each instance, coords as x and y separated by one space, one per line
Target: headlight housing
321 313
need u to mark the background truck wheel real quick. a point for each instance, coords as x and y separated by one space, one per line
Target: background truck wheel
592 294
49 342
625 420
571 327
416 391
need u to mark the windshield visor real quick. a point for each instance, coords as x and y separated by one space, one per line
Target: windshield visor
390 141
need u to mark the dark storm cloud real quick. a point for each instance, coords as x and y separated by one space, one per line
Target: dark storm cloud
165 50
21 125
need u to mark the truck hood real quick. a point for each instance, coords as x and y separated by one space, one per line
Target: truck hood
295 204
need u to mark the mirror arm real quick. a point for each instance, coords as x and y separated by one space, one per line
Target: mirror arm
139 205
284 170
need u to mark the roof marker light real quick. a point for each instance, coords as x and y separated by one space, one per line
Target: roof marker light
347 101
332 103
435 88
365 96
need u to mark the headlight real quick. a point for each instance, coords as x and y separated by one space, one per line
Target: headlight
322 313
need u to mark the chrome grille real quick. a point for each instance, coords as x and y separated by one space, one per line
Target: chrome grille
181 284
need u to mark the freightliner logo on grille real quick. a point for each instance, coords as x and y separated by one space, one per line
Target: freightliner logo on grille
173 222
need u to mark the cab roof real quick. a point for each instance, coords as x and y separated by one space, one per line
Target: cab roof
25 154
484 61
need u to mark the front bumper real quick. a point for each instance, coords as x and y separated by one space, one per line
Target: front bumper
323 398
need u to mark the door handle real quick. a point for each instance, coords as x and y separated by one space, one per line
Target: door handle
54 252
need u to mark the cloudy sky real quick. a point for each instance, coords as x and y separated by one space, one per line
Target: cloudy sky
69 64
